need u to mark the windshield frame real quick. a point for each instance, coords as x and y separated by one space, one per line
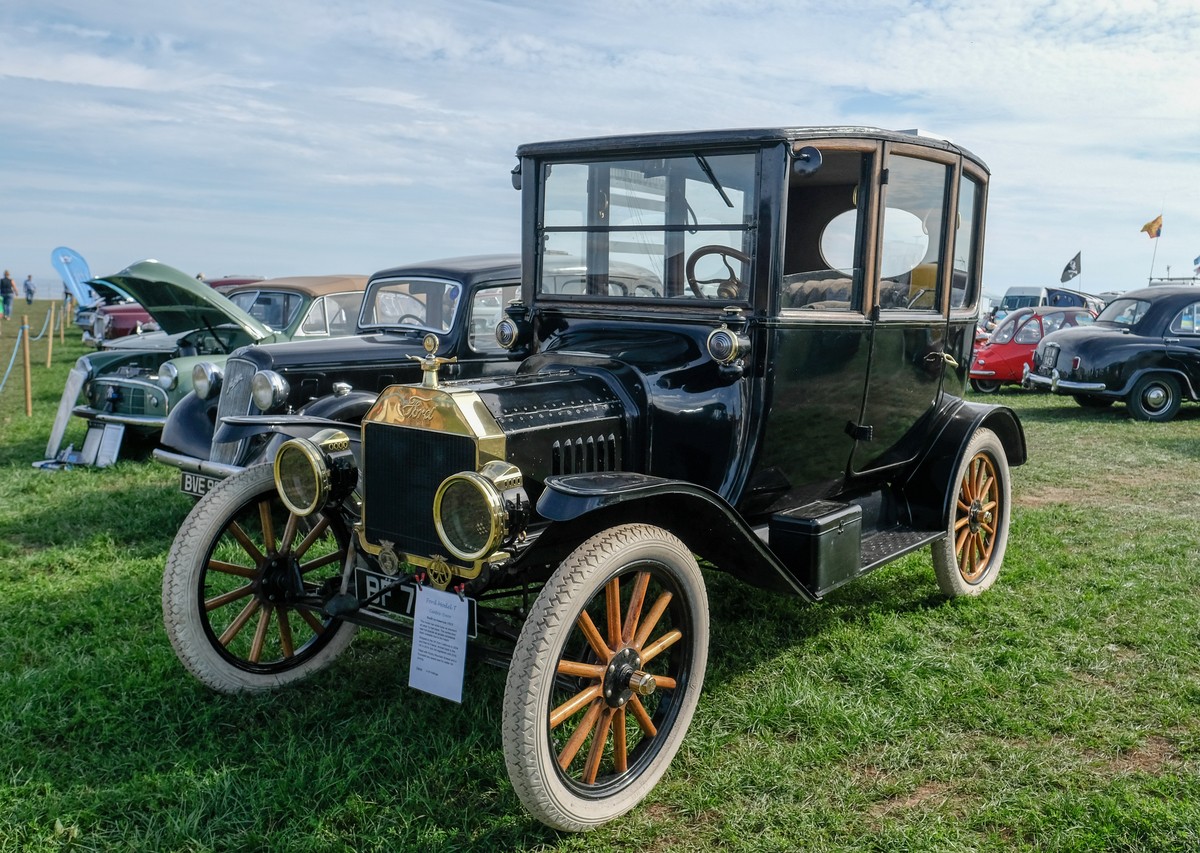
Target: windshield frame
376 285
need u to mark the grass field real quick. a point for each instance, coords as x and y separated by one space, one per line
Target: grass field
1061 711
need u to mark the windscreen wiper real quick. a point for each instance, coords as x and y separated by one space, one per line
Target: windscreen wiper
712 179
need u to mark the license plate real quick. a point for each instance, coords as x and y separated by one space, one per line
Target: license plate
399 600
196 485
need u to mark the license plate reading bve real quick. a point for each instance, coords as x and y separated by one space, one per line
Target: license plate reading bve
196 485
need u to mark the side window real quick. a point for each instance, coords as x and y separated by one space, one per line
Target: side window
964 278
822 267
910 262
314 321
1050 322
1030 333
1187 321
487 308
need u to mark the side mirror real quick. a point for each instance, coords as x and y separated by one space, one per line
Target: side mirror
516 176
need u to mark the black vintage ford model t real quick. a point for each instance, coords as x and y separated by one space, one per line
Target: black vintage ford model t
776 391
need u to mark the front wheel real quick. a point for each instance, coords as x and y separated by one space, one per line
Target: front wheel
605 677
1154 398
234 575
967 561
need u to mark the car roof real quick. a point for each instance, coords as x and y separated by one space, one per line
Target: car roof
743 136
466 268
1152 294
312 285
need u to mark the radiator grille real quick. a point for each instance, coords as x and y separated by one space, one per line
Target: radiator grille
402 469
234 400
130 399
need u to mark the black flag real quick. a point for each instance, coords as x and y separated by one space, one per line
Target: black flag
1072 268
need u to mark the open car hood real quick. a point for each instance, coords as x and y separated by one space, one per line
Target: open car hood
180 303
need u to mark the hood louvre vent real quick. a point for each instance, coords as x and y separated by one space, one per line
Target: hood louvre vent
584 455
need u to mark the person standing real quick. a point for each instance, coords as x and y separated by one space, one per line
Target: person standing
30 289
8 291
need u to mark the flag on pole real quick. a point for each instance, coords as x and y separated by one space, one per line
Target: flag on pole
1154 227
1196 263
1072 268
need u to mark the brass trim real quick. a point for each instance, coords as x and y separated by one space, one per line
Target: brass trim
316 463
493 504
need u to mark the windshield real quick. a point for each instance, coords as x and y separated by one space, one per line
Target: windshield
655 228
273 308
1012 303
1124 312
427 304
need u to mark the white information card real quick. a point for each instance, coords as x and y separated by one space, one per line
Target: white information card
439 645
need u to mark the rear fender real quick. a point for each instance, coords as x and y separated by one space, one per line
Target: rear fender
578 506
930 489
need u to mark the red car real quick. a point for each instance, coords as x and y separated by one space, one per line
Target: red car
1004 356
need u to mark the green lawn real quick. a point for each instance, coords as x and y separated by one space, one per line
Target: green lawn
1057 712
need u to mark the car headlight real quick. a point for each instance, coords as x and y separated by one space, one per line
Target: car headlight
168 376
268 389
206 379
311 473
476 511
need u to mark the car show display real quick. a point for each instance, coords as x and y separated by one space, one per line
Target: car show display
1003 356
1143 350
460 300
757 361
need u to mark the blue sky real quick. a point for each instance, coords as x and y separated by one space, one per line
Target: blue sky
285 138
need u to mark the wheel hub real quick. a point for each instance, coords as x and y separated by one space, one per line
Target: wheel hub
978 516
1155 397
623 677
277 579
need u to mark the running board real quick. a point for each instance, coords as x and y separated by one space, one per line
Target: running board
887 545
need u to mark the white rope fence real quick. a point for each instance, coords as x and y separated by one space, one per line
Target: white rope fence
16 346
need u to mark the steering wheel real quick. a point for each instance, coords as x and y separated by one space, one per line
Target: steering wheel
415 319
728 287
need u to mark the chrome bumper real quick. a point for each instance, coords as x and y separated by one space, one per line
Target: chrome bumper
192 465
1054 382
143 421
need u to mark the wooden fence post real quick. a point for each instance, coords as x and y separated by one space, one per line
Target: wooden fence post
25 354
50 335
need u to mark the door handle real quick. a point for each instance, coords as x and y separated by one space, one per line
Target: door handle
943 357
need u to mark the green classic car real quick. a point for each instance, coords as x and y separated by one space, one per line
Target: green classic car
137 379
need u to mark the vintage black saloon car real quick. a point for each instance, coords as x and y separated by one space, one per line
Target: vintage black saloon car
1143 349
459 300
777 391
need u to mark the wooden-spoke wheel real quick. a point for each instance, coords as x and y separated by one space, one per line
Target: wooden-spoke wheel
234 573
605 677
968 560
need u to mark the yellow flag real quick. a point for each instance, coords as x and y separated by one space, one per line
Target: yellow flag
1153 227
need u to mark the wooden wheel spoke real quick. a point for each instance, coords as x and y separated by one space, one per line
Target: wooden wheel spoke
620 749
656 611
289 533
236 531
285 634
213 603
232 569
237 624
313 535
636 601
643 719
664 682
580 670
328 559
571 748
961 541
596 753
660 645
573 705
612 611
588 628
313 622
268 525
260 635
961 522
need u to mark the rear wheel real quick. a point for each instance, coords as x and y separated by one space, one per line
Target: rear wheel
1154 398
233 573
605 677
967 561
985 386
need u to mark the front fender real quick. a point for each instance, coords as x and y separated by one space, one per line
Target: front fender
188 428
237 427
930 488
578 506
